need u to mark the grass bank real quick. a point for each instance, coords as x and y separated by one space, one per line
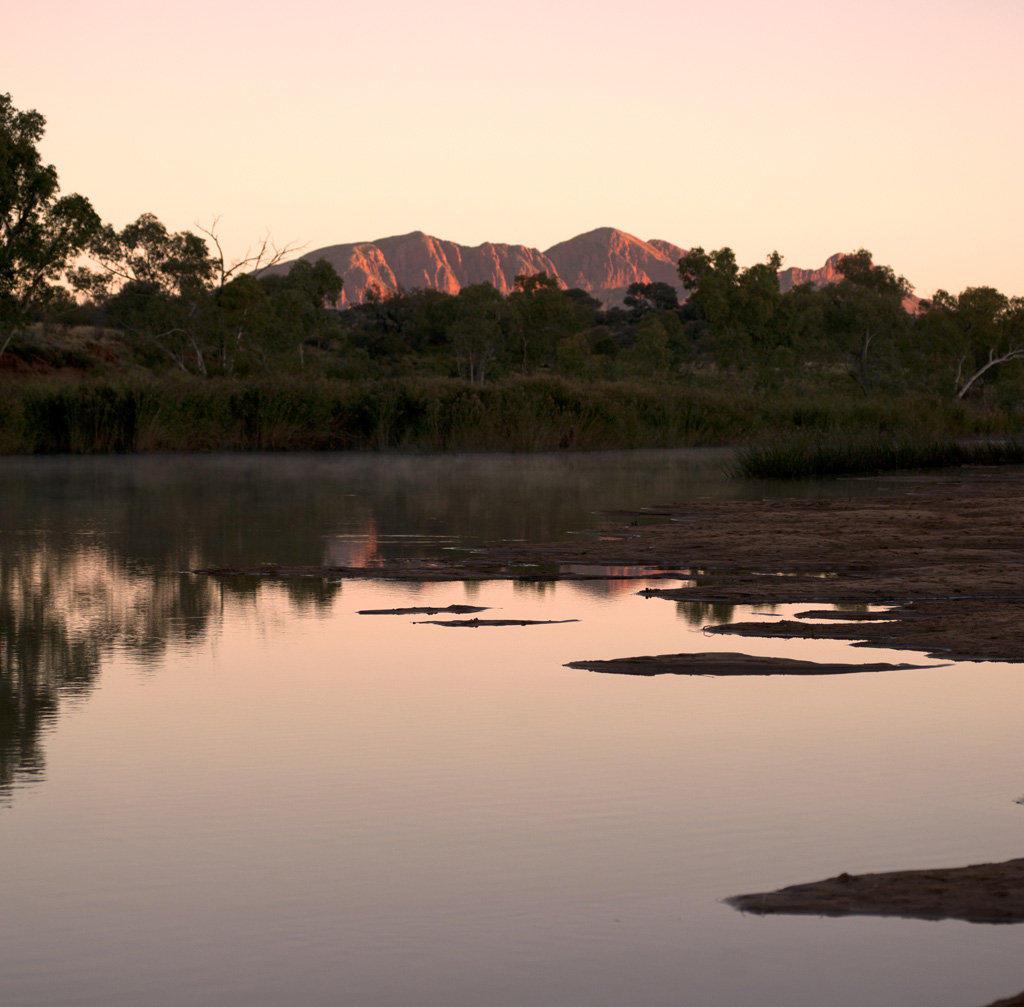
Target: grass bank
442 414
803 458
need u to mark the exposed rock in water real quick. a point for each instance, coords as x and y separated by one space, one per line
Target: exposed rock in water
726 664
478 623
425 610
981 893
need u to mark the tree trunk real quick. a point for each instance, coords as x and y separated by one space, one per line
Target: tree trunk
862 374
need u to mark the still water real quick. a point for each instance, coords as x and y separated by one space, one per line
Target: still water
249 794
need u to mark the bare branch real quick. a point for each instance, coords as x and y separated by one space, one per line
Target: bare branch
1014 353
255 262
212 235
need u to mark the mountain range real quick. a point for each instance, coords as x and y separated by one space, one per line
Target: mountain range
604 262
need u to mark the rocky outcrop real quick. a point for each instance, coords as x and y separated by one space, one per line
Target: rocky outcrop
818 278
417 260
604 262
829 273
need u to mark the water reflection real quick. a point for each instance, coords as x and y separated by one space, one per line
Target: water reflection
699 613
288 812
92 549
61 611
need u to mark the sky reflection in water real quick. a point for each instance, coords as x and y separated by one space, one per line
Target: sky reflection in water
245 793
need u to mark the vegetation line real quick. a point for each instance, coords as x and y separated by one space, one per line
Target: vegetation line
140 339
801 458
790 436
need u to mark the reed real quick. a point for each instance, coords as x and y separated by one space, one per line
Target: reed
819 433
803 458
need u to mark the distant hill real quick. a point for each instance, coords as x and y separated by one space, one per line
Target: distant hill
829 273
604 262
417 260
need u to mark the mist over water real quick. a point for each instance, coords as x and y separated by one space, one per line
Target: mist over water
243 792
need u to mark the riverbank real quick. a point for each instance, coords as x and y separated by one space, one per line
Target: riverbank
942 553
178 413
980 893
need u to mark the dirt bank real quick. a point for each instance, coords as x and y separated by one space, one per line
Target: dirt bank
981 893
725 665
948 550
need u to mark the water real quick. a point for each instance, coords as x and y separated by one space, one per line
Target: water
247 794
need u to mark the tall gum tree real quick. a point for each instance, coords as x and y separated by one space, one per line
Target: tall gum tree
741 306
41 232
981 327
863 307
168 290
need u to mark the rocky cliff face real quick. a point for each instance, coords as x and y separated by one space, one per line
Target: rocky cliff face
417 260
604 262
829 273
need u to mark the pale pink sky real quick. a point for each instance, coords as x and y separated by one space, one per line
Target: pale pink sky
810 127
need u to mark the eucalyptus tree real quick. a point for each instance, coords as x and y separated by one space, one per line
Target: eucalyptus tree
647 297
155 285
863 308
479 331
540 316
174 294
302 301
41 232
742 307
980 329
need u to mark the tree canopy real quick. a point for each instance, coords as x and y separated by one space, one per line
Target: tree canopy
41 232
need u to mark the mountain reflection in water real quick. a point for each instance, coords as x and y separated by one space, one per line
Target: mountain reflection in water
92 549
264 797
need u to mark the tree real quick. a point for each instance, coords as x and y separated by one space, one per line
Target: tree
478 330
711 278
156 286
650 354
41 233
646 297
982 327
540 315
246 318
742 307
865 305
167 289
302 300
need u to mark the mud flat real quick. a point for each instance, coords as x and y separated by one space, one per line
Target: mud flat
945 552
981 893
725 665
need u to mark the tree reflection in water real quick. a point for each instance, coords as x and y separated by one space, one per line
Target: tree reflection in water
91 549
61 611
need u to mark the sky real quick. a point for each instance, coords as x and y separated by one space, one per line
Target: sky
810 128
